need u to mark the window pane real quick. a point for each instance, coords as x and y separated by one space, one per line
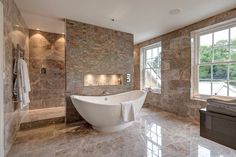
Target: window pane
147 78
220 72
205 54
232 72
155 53
232 89
157 63
204 87
149 54
206 40
221 37
204 72
148 63
233 52
151 79
206 48
158 83
220 88
153 74
221 53
233 35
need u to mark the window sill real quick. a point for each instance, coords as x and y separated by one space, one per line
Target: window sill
155 91
199 98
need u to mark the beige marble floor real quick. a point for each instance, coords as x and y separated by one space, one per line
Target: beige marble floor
155 134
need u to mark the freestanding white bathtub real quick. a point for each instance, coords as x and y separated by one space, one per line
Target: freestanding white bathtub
104 112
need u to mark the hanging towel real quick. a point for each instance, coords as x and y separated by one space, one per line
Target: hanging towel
25 76
128 111
23 83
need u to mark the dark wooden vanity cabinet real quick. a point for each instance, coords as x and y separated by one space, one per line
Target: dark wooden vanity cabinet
218 127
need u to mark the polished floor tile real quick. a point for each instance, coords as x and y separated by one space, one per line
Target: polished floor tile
155 134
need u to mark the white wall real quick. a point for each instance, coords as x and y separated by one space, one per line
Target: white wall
47 24
1 83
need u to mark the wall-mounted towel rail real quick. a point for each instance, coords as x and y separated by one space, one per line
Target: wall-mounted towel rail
18 53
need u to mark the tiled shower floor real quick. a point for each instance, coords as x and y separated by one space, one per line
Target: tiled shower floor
43 117
155 134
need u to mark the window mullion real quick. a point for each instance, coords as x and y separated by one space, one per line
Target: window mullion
229 44
196 62
229 60
228 80
212 80
212 61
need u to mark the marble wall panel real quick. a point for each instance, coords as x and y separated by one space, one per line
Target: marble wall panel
15 32
47 50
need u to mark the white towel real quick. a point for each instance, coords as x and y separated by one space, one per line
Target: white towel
128 111
25 76
23 83
221 100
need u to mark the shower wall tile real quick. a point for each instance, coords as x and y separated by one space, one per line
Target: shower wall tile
95 50
176 68
15 32
47 50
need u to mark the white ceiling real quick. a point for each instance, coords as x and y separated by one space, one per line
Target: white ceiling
143 18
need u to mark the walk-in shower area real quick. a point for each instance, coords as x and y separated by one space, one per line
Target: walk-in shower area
47 78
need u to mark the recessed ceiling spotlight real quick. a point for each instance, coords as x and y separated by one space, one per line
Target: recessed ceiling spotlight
174 11
63 33
37 29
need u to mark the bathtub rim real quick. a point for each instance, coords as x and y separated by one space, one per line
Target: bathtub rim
107 96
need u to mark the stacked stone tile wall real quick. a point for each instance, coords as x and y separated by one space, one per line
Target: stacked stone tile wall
176 68
95 50
47 50
15 32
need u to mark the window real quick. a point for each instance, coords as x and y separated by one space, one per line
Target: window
214 61
151 67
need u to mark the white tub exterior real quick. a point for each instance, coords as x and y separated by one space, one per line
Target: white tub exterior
104 112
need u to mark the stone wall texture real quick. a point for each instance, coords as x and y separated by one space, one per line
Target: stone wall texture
47 50
176 68
15 32
95 50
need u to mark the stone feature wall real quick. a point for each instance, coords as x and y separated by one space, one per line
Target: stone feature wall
47 50
95 50
15 32
176 68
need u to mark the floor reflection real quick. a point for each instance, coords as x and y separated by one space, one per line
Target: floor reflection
203 152
153 140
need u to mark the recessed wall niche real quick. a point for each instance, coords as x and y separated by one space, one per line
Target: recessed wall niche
103 80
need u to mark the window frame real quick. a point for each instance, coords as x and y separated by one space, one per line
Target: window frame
195 56
143 60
